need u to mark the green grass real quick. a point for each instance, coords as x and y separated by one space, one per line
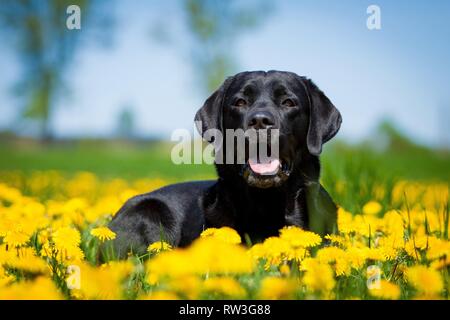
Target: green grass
125 160
358 168
356 165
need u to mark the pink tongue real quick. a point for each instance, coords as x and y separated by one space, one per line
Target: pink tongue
264 168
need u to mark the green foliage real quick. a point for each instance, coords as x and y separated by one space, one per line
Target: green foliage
213 30
45 47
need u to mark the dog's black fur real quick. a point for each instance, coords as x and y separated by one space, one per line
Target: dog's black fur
254 205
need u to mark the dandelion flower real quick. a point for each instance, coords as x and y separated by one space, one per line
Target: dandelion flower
340 259
385 290
225 234
16 238
188 287
161 295
300 238
103 233
66 237
345 221
159 246
205 255
104 282
273 288
41 288
285 270
66 243
25 259
273 249
337 239
224 285
372 208
319 276
437 248
426 280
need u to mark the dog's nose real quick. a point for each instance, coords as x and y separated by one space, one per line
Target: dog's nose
261 120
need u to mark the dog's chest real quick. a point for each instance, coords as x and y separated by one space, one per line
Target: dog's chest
265 216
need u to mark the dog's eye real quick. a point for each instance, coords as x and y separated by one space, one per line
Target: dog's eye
240 103
288 103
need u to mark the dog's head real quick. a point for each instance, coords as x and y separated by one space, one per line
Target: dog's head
264 101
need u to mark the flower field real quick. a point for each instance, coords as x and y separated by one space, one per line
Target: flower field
392 244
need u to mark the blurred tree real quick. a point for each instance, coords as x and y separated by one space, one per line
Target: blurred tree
45 47
213 28
125 123
215 25
443 127
396 140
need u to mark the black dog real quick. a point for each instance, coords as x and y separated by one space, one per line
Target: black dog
254 204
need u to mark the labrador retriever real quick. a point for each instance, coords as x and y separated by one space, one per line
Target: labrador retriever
255 198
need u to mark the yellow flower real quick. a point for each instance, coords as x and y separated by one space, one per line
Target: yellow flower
66 237
385 290
375 254
345 221
104 282
33 233
66 244
257 251
159 246
300 238
427 297
152 279
205 255
5 280
48 250
43 236
372 208
16 238
73 209
187 286
342 240
273 249
340 259
292 244
318 277
103 233
285 270
224 285
84 183
105 206
441 263
40 289
273 288
161 295
24 259
225 234
9 194
393 224
416 244
437 248
426 280
390 246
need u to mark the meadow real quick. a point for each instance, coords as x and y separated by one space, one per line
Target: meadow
56 200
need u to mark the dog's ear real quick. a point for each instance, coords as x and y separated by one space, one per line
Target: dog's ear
209 116
324 119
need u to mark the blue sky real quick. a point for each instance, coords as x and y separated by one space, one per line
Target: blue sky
401 71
